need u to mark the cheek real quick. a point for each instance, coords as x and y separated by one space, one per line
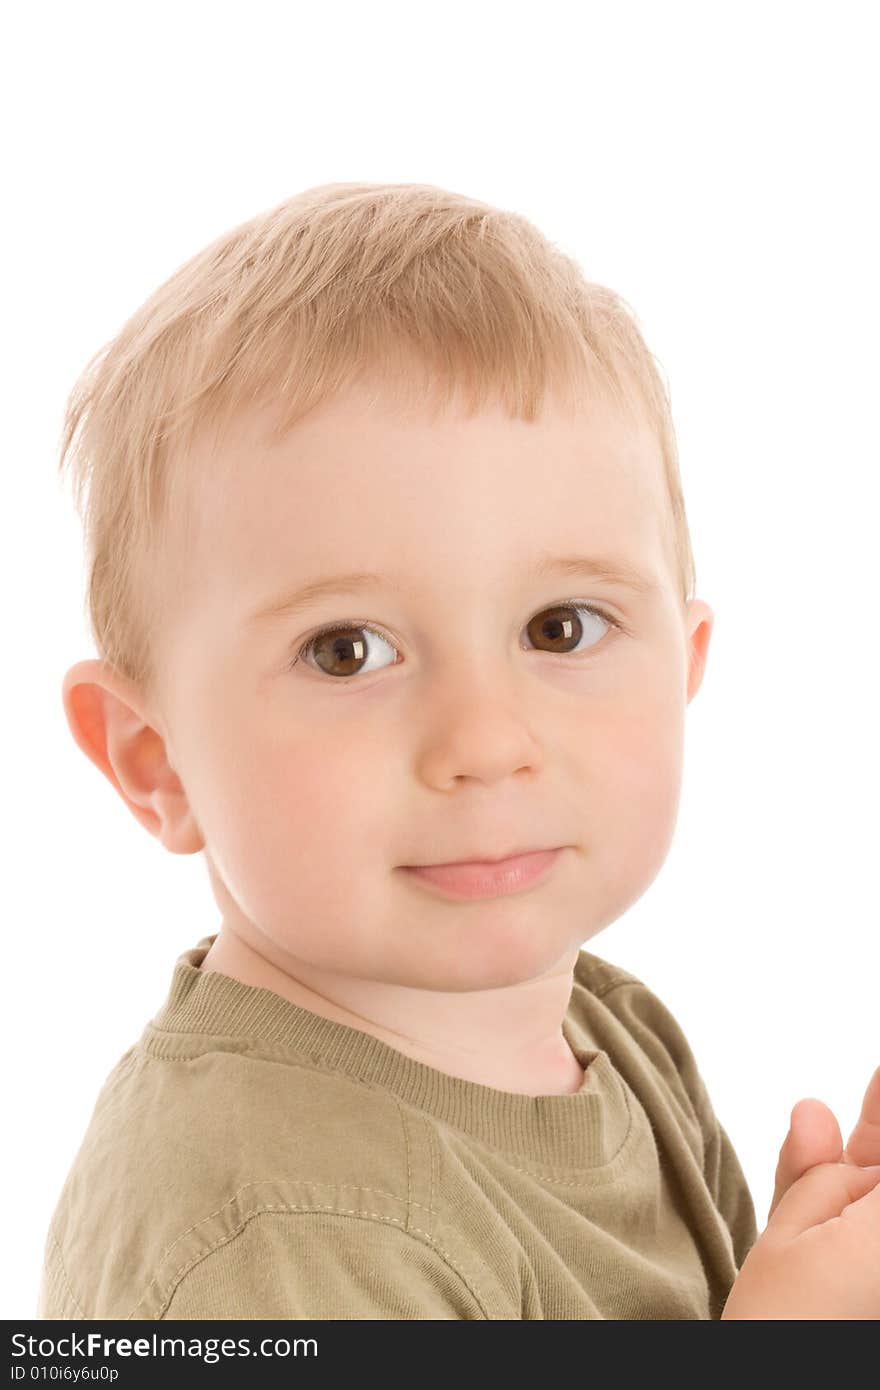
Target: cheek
631 780
298 822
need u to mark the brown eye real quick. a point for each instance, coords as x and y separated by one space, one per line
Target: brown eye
338 651
350 649
560 628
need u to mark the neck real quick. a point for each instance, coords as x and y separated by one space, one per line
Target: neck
508 1038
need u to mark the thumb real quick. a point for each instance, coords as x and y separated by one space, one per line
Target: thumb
823 1192
813 1137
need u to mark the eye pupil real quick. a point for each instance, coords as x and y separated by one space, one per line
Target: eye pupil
345 650
562 628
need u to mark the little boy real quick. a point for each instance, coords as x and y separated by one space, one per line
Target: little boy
392 585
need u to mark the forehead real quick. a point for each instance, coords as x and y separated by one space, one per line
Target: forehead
366 481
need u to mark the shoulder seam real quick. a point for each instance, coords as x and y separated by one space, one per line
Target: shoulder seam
618 984
415 1231
600 976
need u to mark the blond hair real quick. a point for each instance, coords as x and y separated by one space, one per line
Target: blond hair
292 306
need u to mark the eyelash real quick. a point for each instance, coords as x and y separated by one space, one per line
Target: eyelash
304 648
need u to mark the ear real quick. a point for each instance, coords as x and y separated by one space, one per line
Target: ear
699 624
110 723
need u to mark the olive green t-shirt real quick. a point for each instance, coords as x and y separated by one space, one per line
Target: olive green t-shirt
248 1158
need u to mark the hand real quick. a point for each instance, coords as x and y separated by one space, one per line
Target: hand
819 1256
814 1137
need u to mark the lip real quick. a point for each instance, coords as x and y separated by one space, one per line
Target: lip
485 878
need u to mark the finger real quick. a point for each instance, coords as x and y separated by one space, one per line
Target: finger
866 1211
863 1145
813 1137
822 1193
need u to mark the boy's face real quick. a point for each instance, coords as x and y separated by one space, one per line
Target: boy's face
457 735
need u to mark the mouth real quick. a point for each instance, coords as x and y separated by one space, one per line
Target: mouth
504 858
487 878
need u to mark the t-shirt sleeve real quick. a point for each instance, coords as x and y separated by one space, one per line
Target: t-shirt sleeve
323 1265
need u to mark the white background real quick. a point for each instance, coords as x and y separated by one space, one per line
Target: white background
715 164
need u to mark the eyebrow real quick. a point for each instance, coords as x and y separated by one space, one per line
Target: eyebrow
610 568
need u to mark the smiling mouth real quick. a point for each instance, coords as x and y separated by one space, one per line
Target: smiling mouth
483 878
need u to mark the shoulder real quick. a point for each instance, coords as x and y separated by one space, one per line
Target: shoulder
241 1103
276 1128
638 1021
634 1004
228 1139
